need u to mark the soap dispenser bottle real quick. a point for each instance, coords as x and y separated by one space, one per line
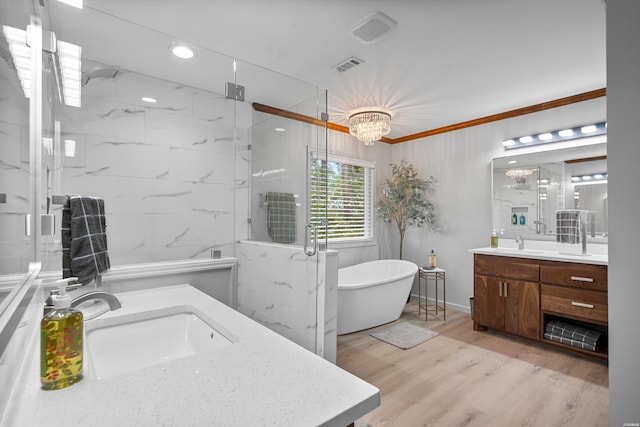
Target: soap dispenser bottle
514 218
494 239
61 344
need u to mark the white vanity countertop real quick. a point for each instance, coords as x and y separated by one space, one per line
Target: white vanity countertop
598 259
262 379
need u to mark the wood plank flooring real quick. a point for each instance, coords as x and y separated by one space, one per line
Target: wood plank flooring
467 378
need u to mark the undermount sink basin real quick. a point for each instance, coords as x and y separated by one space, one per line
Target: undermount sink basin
124 344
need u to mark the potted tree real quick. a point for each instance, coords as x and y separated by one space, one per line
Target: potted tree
404 201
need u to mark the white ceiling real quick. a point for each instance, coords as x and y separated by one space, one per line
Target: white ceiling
446 61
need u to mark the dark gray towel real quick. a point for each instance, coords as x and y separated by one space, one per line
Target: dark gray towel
84 238
568 226
281 217
573 343
567 330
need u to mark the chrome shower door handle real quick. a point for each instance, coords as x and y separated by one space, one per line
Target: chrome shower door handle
307 236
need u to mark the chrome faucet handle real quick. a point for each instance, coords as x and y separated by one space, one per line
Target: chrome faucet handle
520 242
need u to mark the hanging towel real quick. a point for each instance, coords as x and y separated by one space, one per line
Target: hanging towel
84 238
568 226
567 330
281 217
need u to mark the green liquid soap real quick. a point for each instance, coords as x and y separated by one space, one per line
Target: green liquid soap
61 342
494 239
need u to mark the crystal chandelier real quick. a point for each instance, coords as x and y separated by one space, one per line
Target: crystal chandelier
369 126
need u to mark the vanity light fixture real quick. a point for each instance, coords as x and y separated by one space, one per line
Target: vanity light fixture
182 51
69 63
21 54
556 136
596 178
70 59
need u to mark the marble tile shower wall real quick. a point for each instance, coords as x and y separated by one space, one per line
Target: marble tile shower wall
277 288
167 171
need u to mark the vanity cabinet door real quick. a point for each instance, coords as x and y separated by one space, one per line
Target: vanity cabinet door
522 308
507 295
488 303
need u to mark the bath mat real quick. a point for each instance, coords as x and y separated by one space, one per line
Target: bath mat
404 335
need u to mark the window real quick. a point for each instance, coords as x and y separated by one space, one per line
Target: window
348 186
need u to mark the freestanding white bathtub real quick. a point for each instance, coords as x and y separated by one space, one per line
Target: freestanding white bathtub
373 293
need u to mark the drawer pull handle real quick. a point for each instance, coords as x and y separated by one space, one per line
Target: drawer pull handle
581 304
582 279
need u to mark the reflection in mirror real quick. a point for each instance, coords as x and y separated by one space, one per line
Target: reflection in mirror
528 190
14 153
587 190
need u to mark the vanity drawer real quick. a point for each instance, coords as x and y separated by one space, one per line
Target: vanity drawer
585 276
590 305
513 268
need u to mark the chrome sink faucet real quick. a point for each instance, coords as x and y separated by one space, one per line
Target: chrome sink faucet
114 303
583 233
520 242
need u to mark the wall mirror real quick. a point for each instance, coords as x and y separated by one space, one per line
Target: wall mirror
528 188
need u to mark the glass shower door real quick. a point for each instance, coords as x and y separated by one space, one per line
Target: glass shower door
279 264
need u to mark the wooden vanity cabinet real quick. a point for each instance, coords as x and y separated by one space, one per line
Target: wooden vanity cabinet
507 295
520 295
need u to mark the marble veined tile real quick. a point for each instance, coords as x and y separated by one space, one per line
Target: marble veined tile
125 158
10 146
201 167
171 130
14 107
109 120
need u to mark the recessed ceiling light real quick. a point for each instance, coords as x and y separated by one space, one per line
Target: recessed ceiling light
566 132
512 162
182 51
148 99
526 139
280 129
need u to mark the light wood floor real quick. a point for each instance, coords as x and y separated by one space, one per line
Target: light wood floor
467 378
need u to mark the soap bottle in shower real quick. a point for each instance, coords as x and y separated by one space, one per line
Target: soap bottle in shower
514 219
61 344
523 220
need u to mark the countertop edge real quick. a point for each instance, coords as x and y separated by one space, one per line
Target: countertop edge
594 259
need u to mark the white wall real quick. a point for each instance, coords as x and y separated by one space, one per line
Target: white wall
461 162
623 106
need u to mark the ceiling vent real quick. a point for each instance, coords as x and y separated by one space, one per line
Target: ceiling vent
373 28
348 64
